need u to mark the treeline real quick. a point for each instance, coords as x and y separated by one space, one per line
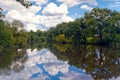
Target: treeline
100 26
36 39
12 34
38 36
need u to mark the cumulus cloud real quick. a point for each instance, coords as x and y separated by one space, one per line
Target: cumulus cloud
51 14
30 27
13 14
53 9
11 5
86 7
52 21
29 19
72 3
34 9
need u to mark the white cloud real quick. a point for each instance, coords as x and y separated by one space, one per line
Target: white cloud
33 22
30 27
33 9
52 14
11 5
86 7
52 9
29 19
13 14
52 21
72 3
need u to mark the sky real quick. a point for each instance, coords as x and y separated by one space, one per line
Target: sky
44 14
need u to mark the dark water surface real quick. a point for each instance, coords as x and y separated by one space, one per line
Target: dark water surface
61 62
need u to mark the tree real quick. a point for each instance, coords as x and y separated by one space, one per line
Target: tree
99 17
61 38
25 3
100 26
1 15
19 34
12 34
6 36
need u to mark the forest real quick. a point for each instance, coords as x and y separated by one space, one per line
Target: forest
98 27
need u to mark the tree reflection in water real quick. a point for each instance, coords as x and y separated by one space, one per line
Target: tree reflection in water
12 60
99 61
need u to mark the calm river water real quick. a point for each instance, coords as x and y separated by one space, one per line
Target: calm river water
61 62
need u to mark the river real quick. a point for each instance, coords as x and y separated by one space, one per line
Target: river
61 62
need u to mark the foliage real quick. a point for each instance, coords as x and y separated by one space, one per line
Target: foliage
12 34
61 38
1 15
100 26
25 3
6 37
36 37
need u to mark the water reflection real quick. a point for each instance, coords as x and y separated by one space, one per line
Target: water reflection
61 62
99 61
12 60
50 68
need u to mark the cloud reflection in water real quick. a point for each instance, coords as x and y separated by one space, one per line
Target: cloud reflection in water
43 65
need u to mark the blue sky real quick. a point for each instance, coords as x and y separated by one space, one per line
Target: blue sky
44 14
76 11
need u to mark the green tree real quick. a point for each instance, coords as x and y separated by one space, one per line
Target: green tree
6 36
61 38
100 16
